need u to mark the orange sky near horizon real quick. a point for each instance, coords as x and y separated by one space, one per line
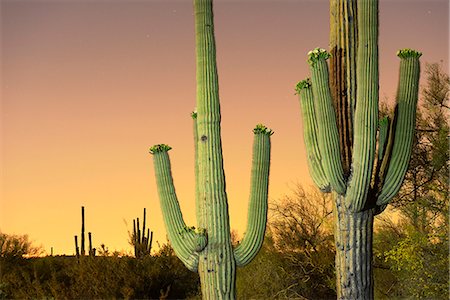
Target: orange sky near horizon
88 86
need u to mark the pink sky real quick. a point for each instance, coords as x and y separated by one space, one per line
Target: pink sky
89 86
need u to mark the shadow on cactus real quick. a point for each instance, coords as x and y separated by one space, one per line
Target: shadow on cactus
361 159
207 249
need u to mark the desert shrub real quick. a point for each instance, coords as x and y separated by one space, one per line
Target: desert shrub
102 277
297 258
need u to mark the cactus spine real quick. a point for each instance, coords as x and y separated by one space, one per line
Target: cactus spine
142 243
208 248
341 131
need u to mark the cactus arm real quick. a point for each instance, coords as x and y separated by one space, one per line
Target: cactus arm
184 240
308 112
328 136
366 110
143 224
383 136
257 209
150 234
407 97
386 143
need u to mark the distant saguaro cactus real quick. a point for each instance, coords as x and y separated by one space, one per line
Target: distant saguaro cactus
341 130
77 249
91 249
208 248
82 232
142 243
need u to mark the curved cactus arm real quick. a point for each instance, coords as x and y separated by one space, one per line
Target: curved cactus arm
185 241
407 97
386 143
308 112
383 136
366 110
257 209
328 135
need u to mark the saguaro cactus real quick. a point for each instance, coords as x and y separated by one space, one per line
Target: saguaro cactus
142 243
82 232
77 249
341 130
208 248
91 249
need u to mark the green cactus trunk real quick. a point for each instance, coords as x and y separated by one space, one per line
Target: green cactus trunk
341 132
217 267
353 240
208 248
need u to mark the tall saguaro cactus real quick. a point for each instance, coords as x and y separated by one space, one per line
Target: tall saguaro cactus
82 231
361 159
208 248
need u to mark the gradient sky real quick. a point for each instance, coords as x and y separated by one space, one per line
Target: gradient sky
88 86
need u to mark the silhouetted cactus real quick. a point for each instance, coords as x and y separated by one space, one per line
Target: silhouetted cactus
82 231
207 248
91 249
341 130
77 249
142 243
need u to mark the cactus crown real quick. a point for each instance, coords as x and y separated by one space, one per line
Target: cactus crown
407 53
317 54
260 128
194 114
159 148
304 84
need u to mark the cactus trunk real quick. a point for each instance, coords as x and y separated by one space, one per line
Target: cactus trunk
82 231
353 240
208 248
217 267
77 249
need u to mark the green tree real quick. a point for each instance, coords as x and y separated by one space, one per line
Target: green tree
17 246
302 226
297 257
